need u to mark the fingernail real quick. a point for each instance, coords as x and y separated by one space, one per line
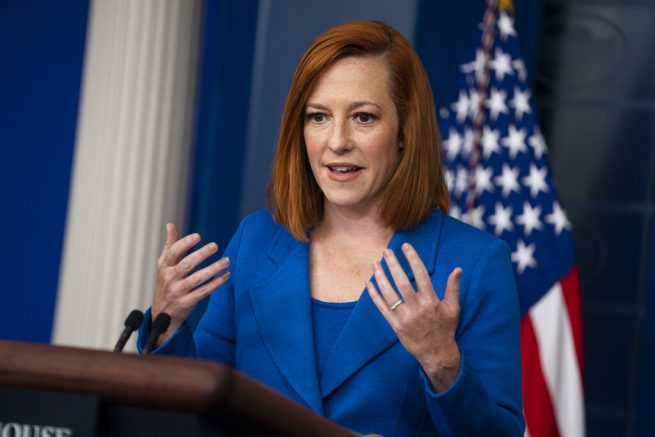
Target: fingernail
387 252
212 247
196 237
406 246
226 261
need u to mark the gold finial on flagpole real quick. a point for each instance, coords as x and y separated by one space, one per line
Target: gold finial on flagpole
506 6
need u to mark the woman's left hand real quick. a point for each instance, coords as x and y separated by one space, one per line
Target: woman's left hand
424 324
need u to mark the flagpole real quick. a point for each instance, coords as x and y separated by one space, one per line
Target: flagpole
488 35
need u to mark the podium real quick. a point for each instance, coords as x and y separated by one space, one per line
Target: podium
64 391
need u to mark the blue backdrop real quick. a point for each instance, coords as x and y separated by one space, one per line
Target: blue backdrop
40 71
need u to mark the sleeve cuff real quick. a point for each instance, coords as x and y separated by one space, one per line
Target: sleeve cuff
180 343
452 390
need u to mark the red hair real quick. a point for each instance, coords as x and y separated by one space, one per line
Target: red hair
417 185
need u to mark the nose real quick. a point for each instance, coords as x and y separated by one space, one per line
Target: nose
340 140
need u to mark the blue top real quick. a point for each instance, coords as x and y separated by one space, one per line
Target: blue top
260 322
329 319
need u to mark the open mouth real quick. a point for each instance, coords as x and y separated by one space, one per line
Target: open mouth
339 169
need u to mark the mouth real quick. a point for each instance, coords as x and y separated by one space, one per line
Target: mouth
343 168
343 172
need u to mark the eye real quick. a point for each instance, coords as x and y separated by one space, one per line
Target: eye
315 117
365 117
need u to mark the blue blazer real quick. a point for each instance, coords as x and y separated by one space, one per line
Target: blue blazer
260 323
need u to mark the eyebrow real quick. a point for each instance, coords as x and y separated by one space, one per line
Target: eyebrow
352 106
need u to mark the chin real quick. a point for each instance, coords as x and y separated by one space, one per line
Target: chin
347 201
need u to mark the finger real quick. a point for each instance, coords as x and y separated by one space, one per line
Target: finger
451 296
399 277
202 276
171 237
423 281
190 262
200 293
171 234
379 302
180 247
387 291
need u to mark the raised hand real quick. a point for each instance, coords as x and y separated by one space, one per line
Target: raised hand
178 290
424 324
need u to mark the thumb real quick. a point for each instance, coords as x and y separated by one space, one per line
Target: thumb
171 234
451 296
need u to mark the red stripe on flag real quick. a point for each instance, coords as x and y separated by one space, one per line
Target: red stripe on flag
571 291
537 403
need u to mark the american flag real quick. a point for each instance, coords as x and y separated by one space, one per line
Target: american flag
500 181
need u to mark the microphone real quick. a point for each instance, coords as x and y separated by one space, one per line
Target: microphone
132 323
158 326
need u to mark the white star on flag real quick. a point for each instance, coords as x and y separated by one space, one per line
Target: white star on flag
558 219
519 67
483 180
455 212
508 179
501 219
536 180
529 219
520 102
476 66
475 215
524 256
506 26
490 142
515 141
453 145
461 181
537 143
501 64
496 103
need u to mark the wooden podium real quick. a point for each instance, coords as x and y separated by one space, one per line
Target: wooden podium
111 394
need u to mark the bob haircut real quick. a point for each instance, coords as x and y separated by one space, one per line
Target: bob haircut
417 185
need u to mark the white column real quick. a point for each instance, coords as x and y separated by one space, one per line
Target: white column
131 164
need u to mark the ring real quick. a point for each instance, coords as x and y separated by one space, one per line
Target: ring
396 305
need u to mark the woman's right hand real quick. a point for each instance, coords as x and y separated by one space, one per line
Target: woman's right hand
178 290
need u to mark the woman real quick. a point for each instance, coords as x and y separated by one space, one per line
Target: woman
358 296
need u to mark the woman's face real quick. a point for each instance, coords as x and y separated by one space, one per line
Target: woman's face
351 133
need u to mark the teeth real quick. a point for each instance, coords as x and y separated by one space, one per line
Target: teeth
344 169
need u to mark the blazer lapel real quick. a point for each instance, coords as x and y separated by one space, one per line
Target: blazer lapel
282 309
367 333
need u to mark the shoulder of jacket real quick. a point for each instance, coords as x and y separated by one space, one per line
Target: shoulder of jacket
463 237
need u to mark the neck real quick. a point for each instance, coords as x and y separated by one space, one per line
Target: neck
352 224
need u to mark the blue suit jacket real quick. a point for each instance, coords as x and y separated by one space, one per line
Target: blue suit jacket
260 323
